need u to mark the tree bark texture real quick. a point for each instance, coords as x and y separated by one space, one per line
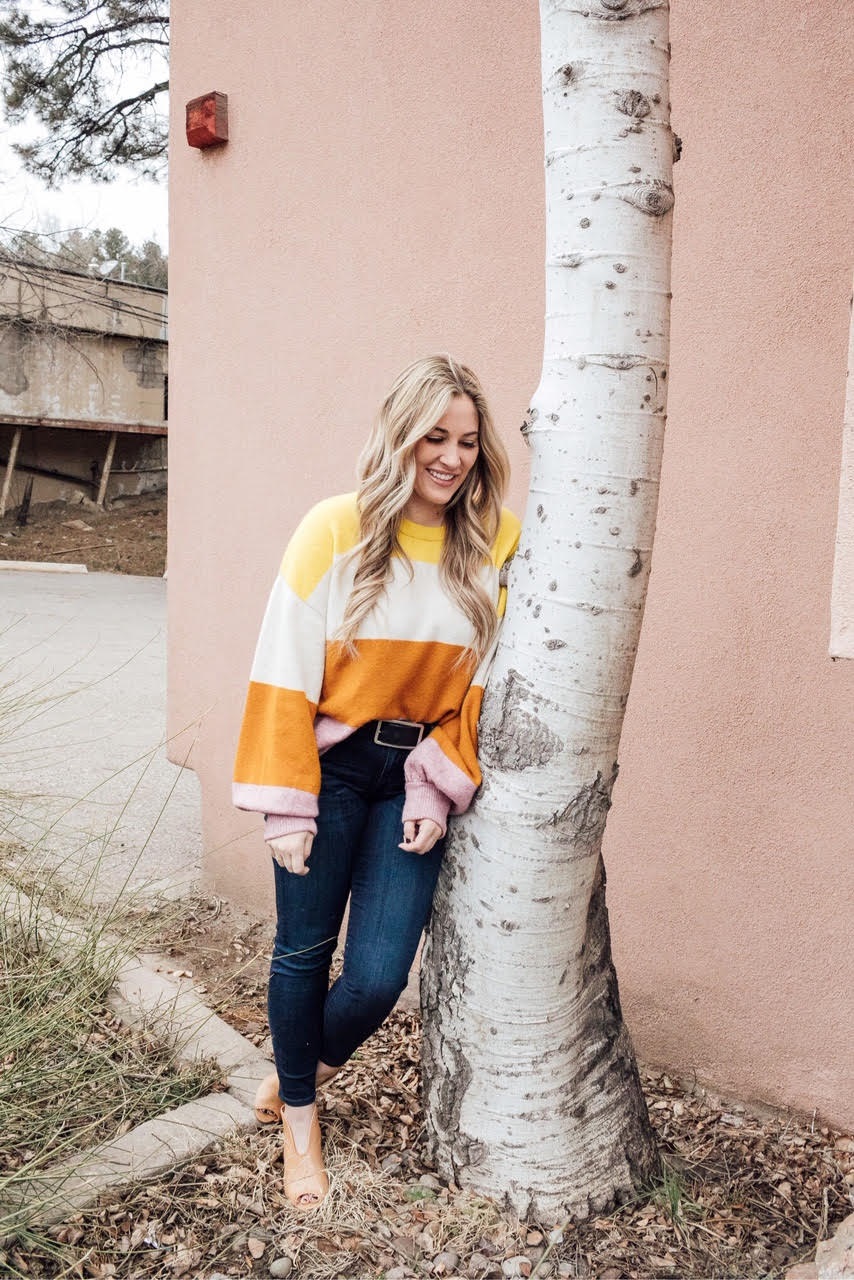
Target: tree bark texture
532 1091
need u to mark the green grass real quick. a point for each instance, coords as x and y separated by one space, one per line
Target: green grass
671 1194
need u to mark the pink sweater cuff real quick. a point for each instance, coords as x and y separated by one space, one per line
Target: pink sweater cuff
423 800
282 824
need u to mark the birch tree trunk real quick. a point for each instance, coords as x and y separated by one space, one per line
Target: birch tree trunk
532 1091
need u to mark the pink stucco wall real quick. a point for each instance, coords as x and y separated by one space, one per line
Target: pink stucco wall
732 835
381 197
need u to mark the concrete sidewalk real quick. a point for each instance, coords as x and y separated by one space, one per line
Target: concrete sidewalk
83 690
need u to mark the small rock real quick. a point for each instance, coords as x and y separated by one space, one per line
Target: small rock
79 499
405 1245
565 1269
845 1145
430 1180
534 1237
396 1273
238 1242
834 1258
518 1266
735 1121
445 1262
556 1236
480 1265
803 1271
281 1267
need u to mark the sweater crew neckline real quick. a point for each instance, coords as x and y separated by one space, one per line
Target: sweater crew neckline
423 532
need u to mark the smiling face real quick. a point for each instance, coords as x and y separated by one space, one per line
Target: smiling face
443 459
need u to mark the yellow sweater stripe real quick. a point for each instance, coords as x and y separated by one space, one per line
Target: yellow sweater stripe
331 530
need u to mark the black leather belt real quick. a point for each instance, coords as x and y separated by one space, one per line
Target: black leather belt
402 734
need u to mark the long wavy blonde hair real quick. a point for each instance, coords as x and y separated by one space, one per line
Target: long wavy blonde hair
386 470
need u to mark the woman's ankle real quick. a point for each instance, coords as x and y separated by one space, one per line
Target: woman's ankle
299 1120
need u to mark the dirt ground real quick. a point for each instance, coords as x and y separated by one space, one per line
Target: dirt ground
742 1194
226 953
128 536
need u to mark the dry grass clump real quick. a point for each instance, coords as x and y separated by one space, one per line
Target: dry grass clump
71 1074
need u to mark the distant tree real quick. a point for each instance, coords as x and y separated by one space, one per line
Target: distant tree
72 67
116 244
152 265
90 251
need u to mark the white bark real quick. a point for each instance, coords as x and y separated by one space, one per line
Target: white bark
531 1086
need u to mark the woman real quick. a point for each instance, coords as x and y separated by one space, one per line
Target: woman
359 734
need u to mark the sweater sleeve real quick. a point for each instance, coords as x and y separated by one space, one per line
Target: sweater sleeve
277 771
442 772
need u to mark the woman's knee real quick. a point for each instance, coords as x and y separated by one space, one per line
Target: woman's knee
375 993
290 959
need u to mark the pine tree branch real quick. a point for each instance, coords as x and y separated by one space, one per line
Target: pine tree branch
63 72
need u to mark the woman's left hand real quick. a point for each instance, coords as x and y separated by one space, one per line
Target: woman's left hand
420 834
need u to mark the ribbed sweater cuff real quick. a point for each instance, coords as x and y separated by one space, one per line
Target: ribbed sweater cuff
282 824
423 800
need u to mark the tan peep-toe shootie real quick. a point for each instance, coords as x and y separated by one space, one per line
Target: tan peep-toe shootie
268 1104
306 1180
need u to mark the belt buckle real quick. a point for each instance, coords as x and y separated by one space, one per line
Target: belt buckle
398 746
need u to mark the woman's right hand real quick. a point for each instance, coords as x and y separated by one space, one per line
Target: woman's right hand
292 852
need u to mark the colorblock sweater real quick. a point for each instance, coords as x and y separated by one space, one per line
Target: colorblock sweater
306 693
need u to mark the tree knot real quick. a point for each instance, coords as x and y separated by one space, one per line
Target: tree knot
654 197
634 103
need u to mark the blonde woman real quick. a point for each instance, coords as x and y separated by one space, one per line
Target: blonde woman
360 729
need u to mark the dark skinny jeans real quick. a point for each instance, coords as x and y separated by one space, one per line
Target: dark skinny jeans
355 853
